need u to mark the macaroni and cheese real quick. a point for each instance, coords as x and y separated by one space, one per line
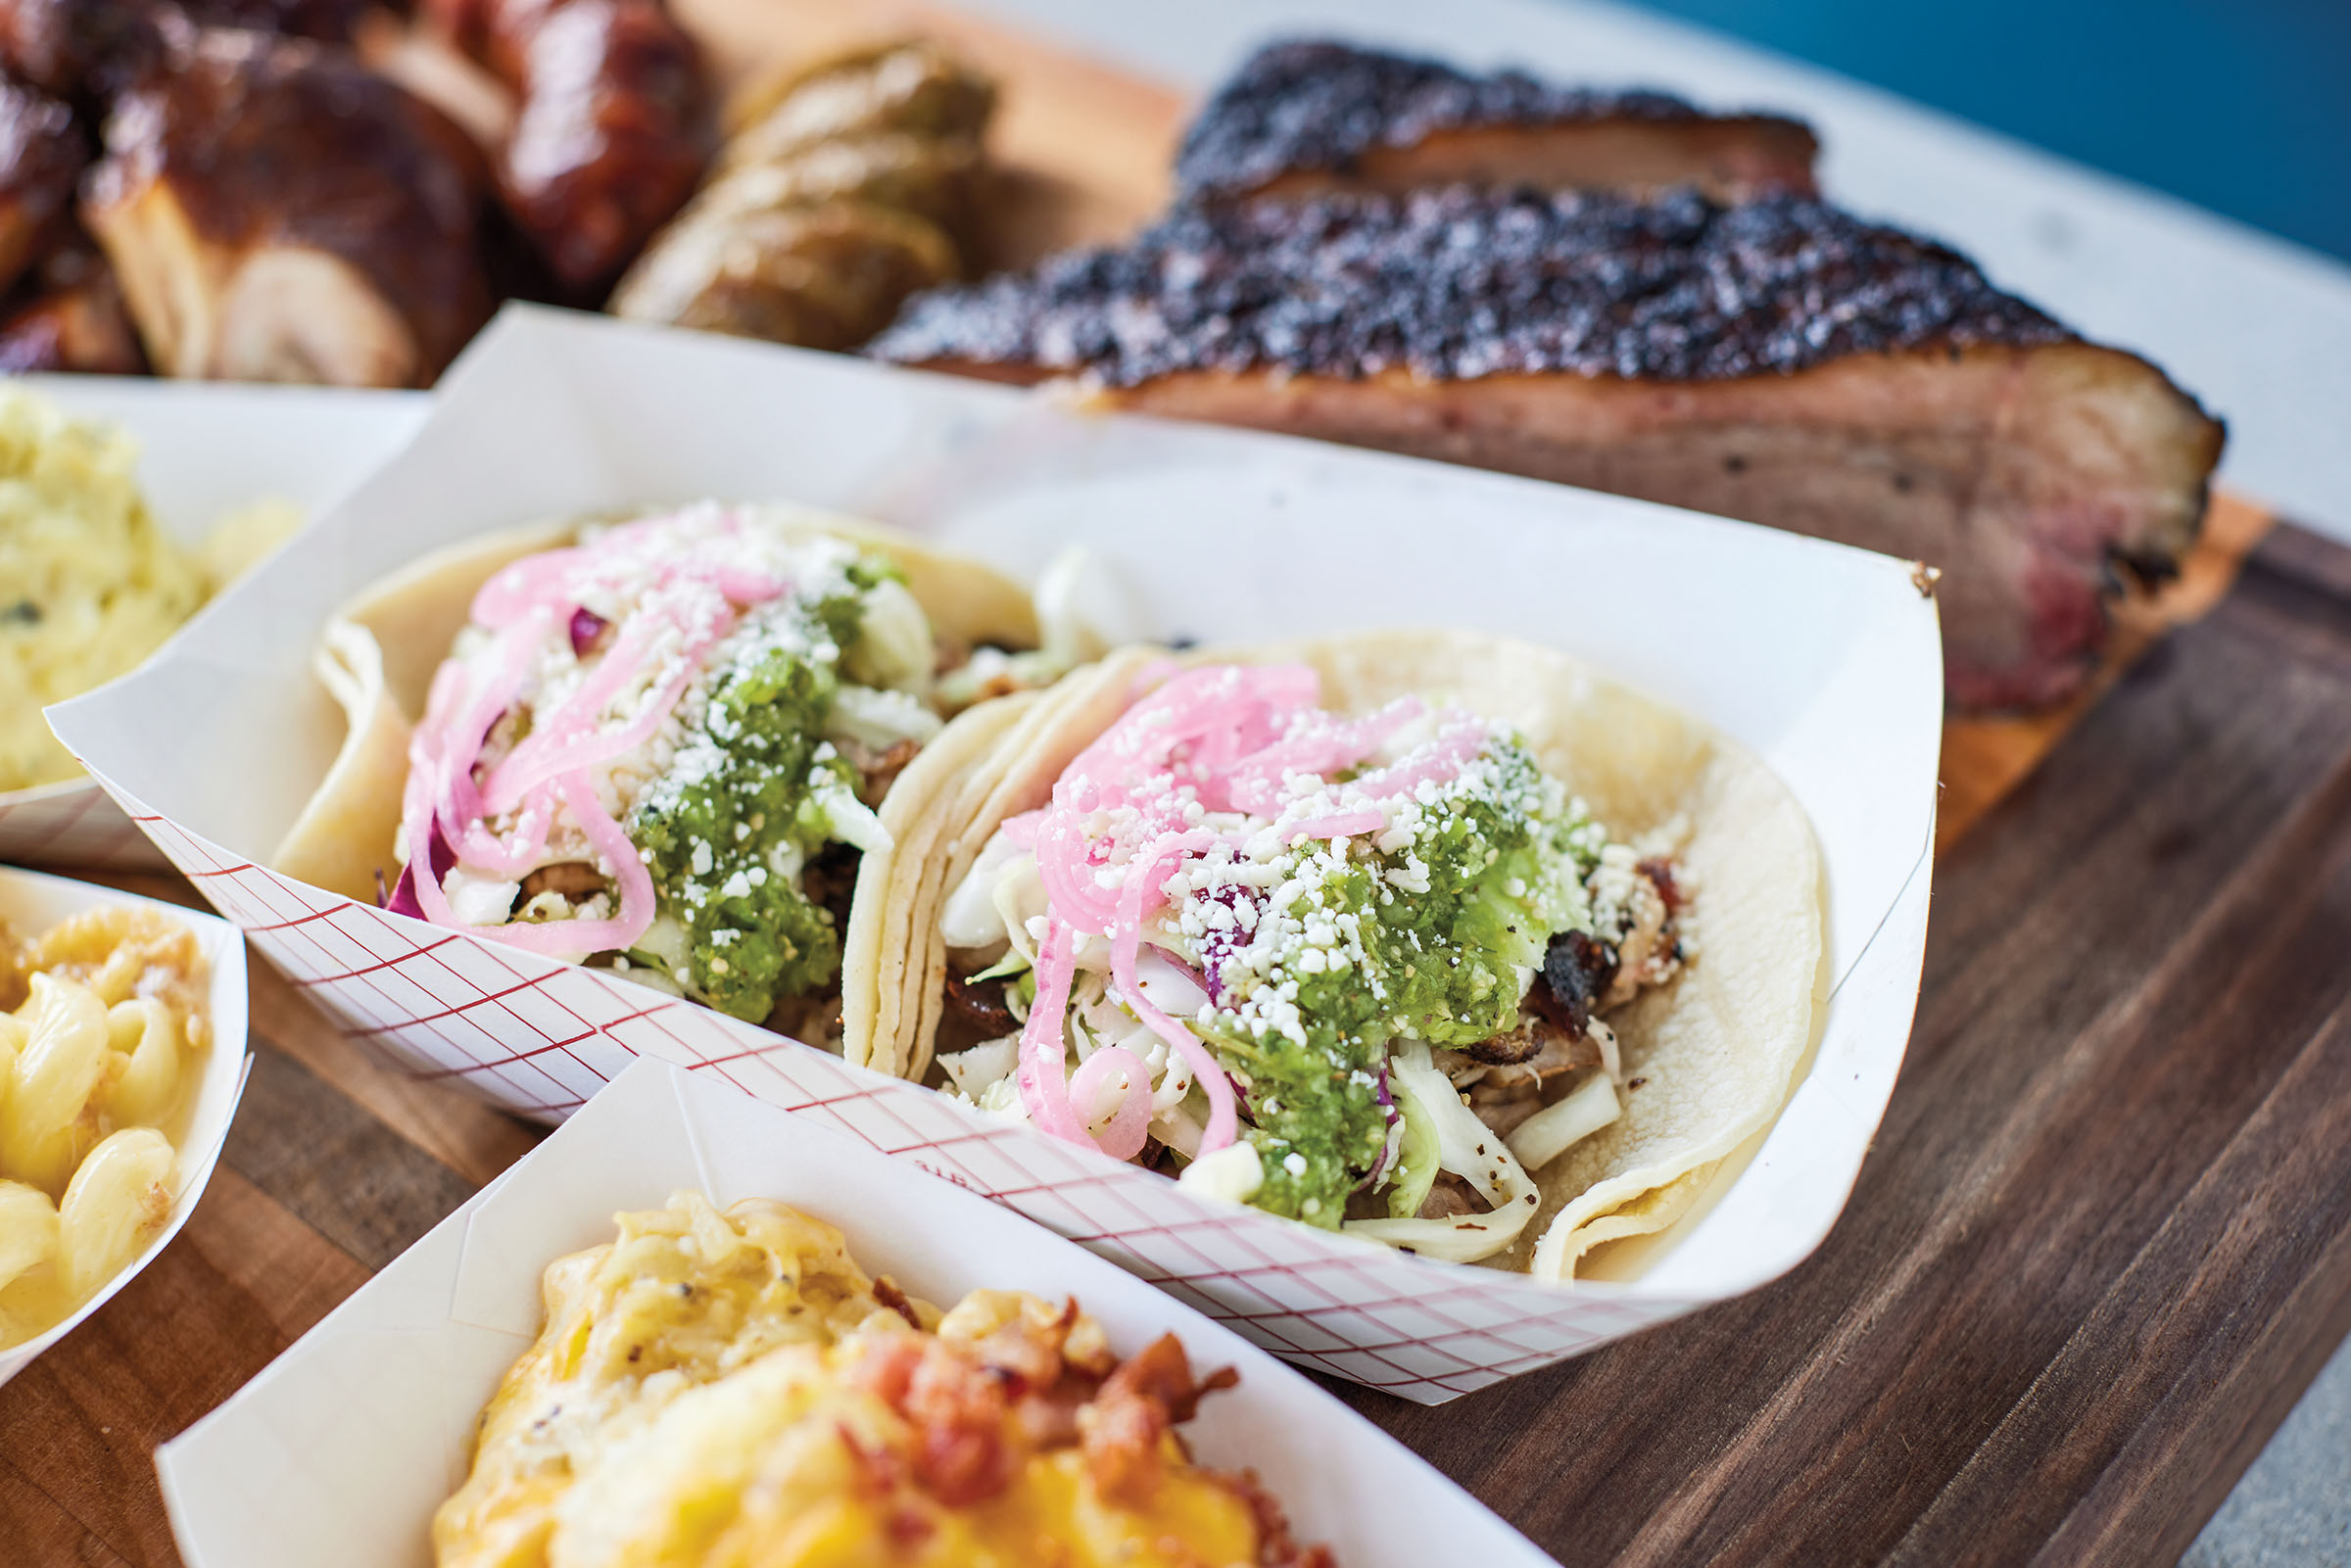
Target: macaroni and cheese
103 1026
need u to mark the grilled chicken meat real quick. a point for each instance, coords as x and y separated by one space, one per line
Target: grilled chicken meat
851 185
275 212
73 319
1312 115
1778 361
617 122
326 21
42 154
83 50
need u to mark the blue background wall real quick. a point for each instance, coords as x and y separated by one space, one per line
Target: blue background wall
2243 108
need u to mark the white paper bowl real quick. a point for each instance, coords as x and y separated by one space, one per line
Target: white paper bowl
1824 659
341 1449
31 903
204 451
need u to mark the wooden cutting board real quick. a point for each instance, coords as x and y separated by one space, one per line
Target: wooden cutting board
2101 1245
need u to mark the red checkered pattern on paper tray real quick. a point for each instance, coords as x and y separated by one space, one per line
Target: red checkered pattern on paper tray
538 1038
72 825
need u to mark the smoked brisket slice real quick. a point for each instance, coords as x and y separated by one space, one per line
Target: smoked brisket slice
1777 360
1312 115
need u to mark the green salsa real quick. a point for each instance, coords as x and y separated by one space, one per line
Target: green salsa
1431 937
755 795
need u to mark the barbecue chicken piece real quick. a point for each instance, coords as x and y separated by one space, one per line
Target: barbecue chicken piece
1780 361
617 122
83 50
1314 116
42 155
851 185
275 212
73 320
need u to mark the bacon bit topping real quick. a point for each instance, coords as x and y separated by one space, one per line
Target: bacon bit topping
886 1292
967 1452
980 1409
1274 1546
1152 1392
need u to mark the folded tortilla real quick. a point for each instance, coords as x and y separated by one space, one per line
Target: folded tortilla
1714 1052
378 655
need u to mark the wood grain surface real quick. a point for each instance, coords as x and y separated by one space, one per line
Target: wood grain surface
2101 1244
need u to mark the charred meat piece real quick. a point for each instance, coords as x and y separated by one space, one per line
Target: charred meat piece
574 881
83 50
1505 1108
1537 1049
830 880
1779 360
75 320
876 772
275 212
979 1007
1578 972
824 278
42 154
1645 948
617 122
326 21
1312 115
1450 1195
616 127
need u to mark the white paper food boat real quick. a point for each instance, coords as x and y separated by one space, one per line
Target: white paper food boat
31 903
204 452
341 1449
1825 661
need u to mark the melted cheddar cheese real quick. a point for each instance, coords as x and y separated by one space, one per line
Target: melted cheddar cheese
731 1391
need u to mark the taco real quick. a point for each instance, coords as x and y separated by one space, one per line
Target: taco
654 742
1396 935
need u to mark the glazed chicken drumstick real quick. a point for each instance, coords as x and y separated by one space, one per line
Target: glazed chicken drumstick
276 212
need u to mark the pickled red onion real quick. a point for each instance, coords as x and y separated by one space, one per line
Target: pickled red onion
1144 880
1045 1088
1319 748
1121 1137
1339 825
690 602
1462 739
1128 811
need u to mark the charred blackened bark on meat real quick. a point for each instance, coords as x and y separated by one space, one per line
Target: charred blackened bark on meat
1578 969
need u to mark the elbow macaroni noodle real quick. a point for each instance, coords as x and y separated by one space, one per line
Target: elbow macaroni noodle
99 1052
